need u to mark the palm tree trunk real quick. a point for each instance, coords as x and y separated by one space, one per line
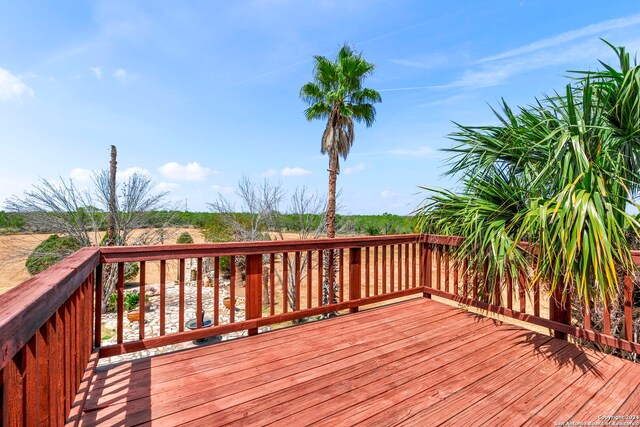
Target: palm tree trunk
331 198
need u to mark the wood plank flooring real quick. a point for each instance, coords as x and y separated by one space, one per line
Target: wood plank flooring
418 362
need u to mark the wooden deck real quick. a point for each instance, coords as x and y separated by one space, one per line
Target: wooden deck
418 362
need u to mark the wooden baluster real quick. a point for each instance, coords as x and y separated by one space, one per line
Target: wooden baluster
120 303
375 271
68 337
399 266
182 273
606 317
98 308
232 288
320 269
476 272
446 268
465 284
355 278
253 289
413 265
429 268
331 276
143 289
628 308
298 272
392 262
497 290
384 270
439 267
30 377
456 273
309 278
12 380
509 291
199 293
522 282
367 268
587 314
163 295
536 299
341 274
285 282
558 310
216 291
406 266
43 374
272 284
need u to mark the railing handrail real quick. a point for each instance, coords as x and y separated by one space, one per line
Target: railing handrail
160 252
26 307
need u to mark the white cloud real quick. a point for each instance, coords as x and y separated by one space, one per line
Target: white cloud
121 74
125 174
167 186
387 194
427 152
295 171
190 172
287 171
81 175
589 30
97 71
222 189
12 87
425 62
351 170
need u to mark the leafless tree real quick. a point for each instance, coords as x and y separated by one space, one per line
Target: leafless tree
62 207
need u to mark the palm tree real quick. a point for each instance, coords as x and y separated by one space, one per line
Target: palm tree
558 174
337 96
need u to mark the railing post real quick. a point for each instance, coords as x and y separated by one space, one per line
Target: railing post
425 267
559 310
253 289
355 274
628 308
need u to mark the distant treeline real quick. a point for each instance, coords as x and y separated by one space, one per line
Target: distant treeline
372 225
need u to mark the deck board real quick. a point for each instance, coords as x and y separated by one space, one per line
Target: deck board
418 362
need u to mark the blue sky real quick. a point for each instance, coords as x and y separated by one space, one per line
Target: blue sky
196 94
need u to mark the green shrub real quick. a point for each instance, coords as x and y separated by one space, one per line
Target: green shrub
131 301
184 238
50 251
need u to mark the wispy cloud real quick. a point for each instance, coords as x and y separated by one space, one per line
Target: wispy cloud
167 186
589 30
354 169
190 172
121 74
424 61
97 71
127 173
12 87
287 171
81 175
423 151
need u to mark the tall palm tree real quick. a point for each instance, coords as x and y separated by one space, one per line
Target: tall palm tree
337 96
558 174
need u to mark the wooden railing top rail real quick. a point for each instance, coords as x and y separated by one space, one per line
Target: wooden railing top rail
153 253
25 308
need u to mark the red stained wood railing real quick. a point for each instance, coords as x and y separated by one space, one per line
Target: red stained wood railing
50 326
47 336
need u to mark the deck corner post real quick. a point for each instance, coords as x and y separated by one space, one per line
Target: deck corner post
355 276
425 267
253 289
560 310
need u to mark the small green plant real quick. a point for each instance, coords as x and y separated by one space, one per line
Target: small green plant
184 238
131 301
50 251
